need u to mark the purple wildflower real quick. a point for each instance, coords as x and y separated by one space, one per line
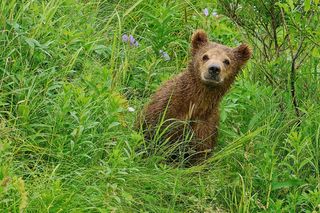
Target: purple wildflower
206 11
215 14
132 40
164 55
125 38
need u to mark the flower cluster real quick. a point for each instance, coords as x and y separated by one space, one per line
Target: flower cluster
130 39
206 12
164 55
133 42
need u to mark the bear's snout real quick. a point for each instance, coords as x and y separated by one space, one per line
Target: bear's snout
214 71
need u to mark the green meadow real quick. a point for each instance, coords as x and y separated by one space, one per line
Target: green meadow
74 74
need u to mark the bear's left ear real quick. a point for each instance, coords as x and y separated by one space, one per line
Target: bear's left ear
242 53
199 39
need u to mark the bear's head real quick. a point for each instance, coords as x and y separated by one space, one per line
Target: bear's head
215 63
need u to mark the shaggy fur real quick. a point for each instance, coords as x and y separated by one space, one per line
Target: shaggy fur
194 96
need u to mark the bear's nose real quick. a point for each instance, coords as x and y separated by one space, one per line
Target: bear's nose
214 70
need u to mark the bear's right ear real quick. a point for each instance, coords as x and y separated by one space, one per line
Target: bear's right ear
199 39
242 54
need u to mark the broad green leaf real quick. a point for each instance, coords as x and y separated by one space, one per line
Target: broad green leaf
290 2
285 7
113 124
315 53
286 184
307 4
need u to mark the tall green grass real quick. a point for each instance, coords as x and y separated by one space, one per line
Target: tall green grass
67 142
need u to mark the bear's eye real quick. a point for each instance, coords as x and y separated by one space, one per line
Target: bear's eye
205 58
226 62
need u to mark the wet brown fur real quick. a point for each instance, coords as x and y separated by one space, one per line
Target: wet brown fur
187 97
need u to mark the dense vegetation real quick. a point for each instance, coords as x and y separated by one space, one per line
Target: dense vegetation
74 74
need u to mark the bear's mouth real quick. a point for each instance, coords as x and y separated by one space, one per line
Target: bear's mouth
212 80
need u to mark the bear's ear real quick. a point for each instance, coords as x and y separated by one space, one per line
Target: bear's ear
199 39
242 53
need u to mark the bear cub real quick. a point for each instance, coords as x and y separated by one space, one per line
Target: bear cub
194 95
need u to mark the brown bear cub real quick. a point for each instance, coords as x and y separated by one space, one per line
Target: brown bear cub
194 95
